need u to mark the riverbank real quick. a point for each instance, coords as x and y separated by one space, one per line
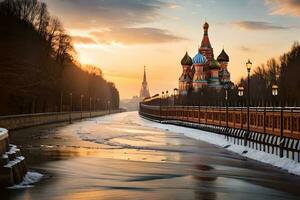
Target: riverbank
12 122
120 156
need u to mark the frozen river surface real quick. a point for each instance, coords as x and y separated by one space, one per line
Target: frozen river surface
123 156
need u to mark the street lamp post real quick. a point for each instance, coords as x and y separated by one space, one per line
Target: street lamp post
167 97
108 105
160 102
227 87
174 96
167 104
61 101
226 99
275 94
71 108
97 106
241 94
90 107
81 99
248 65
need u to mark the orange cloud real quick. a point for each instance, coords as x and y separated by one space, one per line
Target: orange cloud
83 40
132 36
257 25
284 7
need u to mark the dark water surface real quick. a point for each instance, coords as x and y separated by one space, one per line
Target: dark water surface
118 157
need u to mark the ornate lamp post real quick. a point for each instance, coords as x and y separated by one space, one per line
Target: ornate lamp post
71 108
175 95
167 100
167 97
160 104
241 94
81 99
275 94
97 104
61 101
240 91
274 90
90 107
227 87
108 105
248 65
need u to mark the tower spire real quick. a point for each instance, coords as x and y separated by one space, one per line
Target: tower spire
144 90
206 48
144 78
205 40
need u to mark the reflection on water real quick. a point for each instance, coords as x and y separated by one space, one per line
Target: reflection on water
117 158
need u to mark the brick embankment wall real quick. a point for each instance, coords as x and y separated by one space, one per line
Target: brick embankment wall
28 120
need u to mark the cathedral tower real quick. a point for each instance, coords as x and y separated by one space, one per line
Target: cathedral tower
206 48
185 80
144 93
224 74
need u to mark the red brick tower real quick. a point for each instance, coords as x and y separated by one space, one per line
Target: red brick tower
205 48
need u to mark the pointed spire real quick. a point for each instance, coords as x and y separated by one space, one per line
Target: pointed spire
205 40
144 90
144 78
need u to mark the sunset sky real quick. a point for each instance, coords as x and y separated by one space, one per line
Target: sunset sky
121 36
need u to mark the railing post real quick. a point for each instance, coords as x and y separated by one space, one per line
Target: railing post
205 115
281 130
264 120
160 108
292 121
199 114
226 115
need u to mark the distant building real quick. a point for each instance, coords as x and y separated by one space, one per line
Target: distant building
203 70
133 103
144 93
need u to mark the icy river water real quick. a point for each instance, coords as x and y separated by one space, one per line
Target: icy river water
122 157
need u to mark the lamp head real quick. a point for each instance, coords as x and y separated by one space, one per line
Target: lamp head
241 91
249 65
274 90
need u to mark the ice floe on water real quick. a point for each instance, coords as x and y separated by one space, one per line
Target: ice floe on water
29 180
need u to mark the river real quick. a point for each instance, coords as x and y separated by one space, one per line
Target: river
120 157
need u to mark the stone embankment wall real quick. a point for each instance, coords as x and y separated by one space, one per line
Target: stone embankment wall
28 120
12 163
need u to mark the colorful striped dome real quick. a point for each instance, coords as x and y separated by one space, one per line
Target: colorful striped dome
199 59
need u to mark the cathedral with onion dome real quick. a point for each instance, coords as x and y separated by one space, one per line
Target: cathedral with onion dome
203 70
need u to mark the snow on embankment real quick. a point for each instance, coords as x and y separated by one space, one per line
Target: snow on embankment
13 170
291 166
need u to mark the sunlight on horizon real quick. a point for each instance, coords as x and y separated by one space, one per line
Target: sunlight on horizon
157 34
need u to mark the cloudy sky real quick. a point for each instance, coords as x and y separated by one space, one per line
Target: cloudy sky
121 36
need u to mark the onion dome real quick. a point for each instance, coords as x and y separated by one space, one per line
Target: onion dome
214 65
199 59
187 60
223 57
